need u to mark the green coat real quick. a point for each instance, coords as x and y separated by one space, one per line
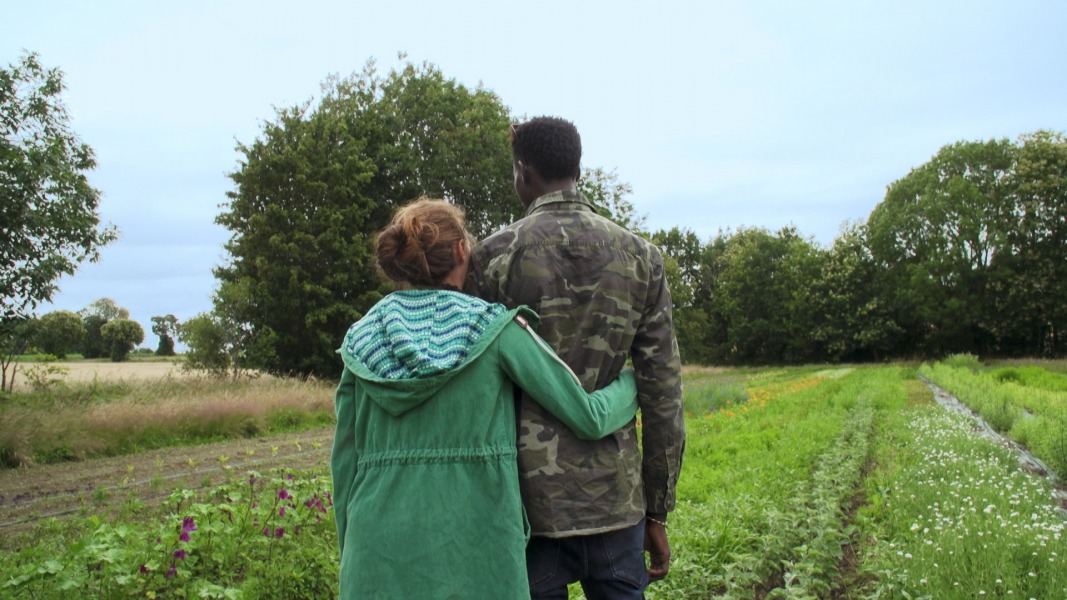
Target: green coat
426 488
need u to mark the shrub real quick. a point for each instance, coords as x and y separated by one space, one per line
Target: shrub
963 361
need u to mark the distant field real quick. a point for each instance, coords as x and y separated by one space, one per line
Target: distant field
86 371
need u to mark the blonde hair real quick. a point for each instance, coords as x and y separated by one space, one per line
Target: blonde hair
418 246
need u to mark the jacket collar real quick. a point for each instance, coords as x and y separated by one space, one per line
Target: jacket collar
551 199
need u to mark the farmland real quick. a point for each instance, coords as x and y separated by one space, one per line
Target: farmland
800 482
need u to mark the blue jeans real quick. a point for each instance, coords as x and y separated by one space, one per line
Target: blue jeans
610 566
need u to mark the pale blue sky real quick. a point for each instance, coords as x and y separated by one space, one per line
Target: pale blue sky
719 114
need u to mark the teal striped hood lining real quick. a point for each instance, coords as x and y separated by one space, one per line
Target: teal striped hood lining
416 334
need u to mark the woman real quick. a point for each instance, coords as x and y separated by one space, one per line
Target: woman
426 488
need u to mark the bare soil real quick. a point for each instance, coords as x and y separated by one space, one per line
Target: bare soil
31 493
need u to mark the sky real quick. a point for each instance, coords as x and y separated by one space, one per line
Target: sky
719 114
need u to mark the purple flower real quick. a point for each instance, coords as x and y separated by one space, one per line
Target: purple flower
290 476
315 503
284 495
172 571
279 532
179 554
184 536
144 569
266 531
188 525
281 512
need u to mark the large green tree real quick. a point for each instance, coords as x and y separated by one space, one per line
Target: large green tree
761 295
49 222
94 316
121 336
59 332
1031 287
940 238
323 177
852 320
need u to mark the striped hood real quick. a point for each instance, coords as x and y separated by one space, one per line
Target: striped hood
413 341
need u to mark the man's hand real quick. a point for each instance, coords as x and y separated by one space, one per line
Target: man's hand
659 550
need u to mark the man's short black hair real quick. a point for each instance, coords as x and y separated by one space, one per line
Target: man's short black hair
550 145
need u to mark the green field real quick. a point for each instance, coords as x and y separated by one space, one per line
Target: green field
807 482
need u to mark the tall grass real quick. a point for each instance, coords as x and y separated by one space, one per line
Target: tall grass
84 420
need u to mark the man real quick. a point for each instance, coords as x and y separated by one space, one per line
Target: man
594 506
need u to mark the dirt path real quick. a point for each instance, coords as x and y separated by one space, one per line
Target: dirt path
30 494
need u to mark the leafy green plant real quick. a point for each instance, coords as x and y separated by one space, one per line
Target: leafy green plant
264 537
45 375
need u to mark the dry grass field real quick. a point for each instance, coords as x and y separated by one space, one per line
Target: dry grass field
87 371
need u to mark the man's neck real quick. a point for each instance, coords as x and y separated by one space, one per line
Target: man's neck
559 185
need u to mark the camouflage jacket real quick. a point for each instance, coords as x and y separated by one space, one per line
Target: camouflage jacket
603 298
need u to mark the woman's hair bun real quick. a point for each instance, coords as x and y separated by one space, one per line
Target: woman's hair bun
418 245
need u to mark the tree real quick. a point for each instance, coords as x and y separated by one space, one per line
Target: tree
121 336
166 327
938 237
852 319
105 308
94 316
59 332
48 211
682 250
761 294
610 195
323 177
16 333
216 344
205 342
93 344
1034 279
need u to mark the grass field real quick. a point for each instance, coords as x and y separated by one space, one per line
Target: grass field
805 482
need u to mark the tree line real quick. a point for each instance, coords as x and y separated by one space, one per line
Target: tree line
966 253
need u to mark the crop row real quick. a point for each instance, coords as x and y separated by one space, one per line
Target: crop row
763 511
1033 413
951 515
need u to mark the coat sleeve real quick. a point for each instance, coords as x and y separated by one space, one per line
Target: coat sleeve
659 384
343 459
534 366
